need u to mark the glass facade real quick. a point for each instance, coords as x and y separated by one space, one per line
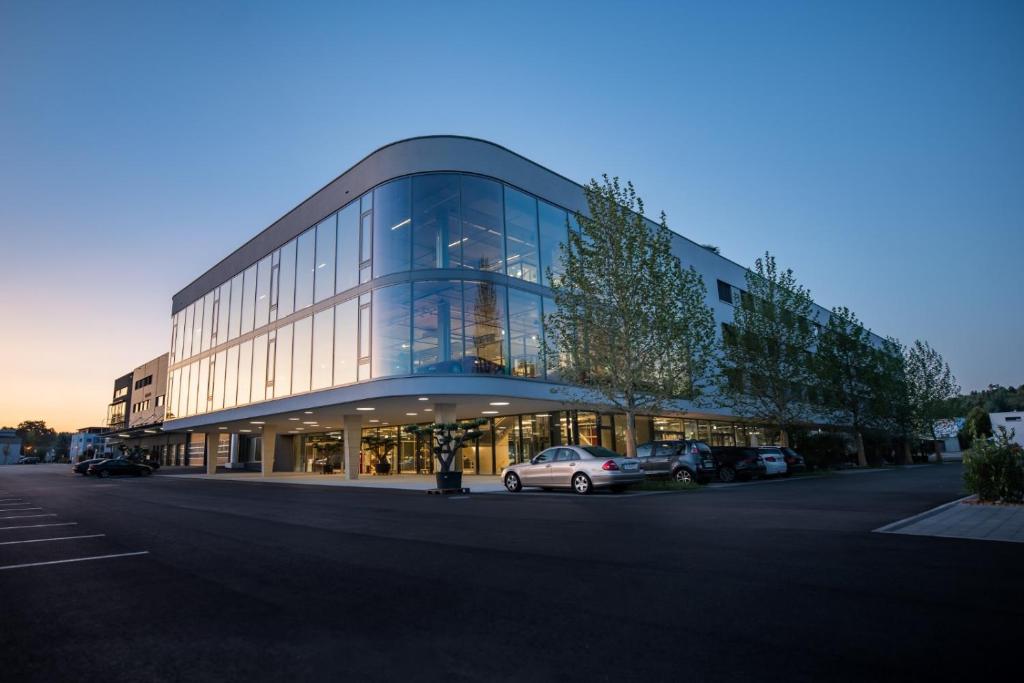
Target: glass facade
310 316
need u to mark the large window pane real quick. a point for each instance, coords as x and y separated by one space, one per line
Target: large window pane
174 397
324 278
346 335
204 386
390 341
263 291
302 353
392 227
304 268
197 328
435 220
482 240
484 327
245 371
231 378
235 319
248 298
521 235
207 320
553 233
286 278
259 368
190 313
524 315
347 271
193 387
437 327
217 379
223 310
179 339
551 359
283 362
323 350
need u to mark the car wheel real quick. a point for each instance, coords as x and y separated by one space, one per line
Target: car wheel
683 475
727 474
512 483
104 474
581 483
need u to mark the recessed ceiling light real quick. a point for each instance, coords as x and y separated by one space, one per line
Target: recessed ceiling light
499 403
412 414
423 398
488 412
245 430
187 430
428 410
261 423
294 419
309 423
308 412
365 408
374 420
221 427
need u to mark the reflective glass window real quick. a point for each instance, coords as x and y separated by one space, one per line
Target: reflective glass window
554 232
283 363
304 267
346 335
174 400
365 239
390 339
193 387
259 369
207 320
524 313
217 379
263 291
521 235
302 349
231 377
179 339
190 313
202 403
323 351
347 271
326 231
235 317
435 220
392 227
245 372
366 202
223 310
482 233
551 360
484 327
437 327
248 299
197 328
364 331
286 281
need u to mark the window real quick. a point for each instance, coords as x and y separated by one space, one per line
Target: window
725 292
566 455
390 340
546 456
263 291
203 386
231 378
1012 418
286 281
144 382
248 299
521 235
120 392
217 379
346 336
235 319
207 330
187 332
245 370
179 336
159 401
392 227
282 378
223 310
482 230
302 349
553 234
524 315
435 220
484 327
323 351
304 268
551 358
259 369
326 233
347 267
644 451
437 327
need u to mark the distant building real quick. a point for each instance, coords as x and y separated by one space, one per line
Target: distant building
1012 421
10 447
947 432
85 439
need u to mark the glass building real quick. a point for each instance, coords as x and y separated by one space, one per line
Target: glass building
411 288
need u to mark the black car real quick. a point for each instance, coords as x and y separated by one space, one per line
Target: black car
682 460
738 462
82 467
794 461
119 466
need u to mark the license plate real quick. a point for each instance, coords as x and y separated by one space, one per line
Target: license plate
630 467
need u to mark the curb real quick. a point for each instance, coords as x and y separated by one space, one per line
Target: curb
907 521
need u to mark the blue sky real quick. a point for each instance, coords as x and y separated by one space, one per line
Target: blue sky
875 148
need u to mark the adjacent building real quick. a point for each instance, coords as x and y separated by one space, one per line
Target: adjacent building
410 289
87 442
1012 421
10 447
135 417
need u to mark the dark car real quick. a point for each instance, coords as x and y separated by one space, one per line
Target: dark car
794 461
82 467
28 460
682 460
738 462
113 466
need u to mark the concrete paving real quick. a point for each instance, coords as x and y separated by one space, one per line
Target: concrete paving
965 518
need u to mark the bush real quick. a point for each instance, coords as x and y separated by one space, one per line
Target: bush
994 470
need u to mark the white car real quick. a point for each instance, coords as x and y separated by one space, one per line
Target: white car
774 461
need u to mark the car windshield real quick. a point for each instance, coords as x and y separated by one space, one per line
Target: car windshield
770 451
703 447
601 452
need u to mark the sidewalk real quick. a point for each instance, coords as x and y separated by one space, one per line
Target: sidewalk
476 483
965 518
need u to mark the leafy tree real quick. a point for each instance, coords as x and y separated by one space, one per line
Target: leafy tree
35 436
448 438
931 386
978 424
891 410
765 363
847 373
631 324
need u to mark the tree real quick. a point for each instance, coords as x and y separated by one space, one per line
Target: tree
35 436
931 386
891 409
846 369
765 363
631 324
978 424
447 439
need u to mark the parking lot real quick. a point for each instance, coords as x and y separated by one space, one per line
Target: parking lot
182 578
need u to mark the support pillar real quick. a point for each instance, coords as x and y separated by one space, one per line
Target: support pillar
353 425
211 441
269 443
233 453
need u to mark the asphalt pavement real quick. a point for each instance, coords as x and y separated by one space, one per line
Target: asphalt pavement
187 579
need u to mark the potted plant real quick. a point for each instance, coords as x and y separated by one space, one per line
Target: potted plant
447 439
380 445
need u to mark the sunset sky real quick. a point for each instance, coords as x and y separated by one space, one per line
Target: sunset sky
875 148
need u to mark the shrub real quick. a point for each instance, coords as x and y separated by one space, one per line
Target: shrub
994 470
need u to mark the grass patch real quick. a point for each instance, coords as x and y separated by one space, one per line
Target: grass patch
666 485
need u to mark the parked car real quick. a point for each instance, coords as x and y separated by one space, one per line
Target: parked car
27 460
82 467
794 461
738 462
773 459
682 460
580 468
465 365
118 466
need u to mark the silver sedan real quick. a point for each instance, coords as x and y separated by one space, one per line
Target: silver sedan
580 468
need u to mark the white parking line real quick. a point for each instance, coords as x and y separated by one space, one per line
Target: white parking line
36 526
57 538
17 509
75 559
10 500
49 514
